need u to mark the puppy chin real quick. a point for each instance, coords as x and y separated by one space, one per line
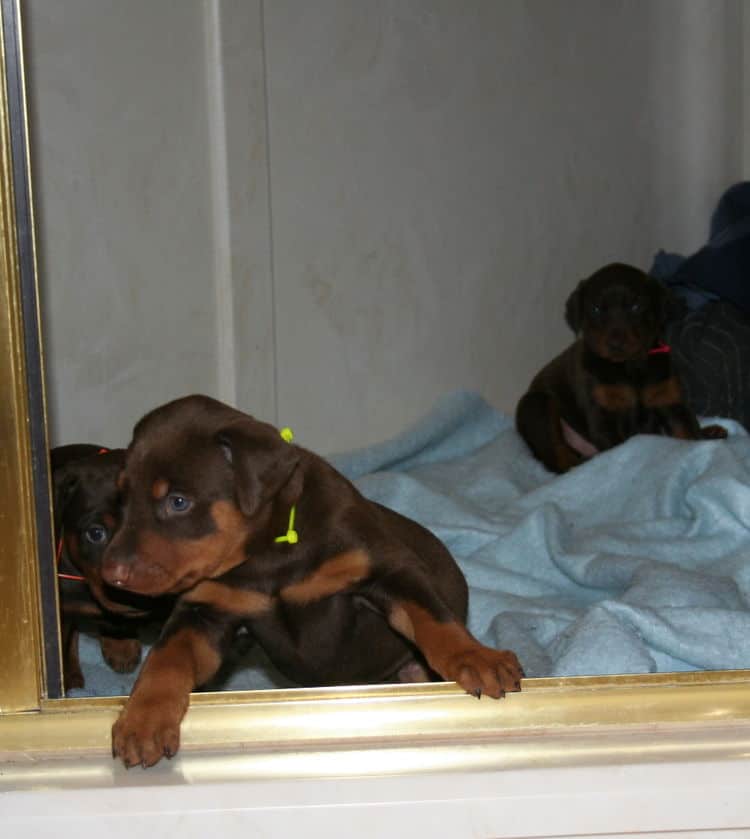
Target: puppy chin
632 352
121 601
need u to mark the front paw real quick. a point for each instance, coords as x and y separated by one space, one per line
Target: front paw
73 678
713 432
146 732
481 670
122 654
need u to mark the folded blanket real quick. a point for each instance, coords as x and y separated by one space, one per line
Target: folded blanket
636 561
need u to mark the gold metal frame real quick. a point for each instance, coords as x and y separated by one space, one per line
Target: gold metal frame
311 732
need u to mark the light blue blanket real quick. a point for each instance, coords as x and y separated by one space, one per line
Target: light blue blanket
637 561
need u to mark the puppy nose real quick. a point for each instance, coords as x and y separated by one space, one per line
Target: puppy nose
616 341
116 572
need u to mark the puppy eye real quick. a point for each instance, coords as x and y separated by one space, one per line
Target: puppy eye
635 308
96 534
177 503
596 310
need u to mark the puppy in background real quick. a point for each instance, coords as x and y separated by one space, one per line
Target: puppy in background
616 380
87 513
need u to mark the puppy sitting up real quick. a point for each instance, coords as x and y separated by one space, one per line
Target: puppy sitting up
616 380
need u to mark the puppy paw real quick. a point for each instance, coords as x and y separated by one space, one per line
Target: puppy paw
713 432
122 654
144 733
73 679
481 670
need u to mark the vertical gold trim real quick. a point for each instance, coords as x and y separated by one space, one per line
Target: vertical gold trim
20 615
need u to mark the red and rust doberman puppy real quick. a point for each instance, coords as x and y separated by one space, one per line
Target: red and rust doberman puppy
616 380
87 512
251 530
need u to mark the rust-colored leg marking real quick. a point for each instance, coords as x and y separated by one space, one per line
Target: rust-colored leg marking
455 654
122 654
148 727
713 432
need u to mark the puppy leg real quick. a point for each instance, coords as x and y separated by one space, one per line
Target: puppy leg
713 432
413 609
72 673
679 421
674 416
187 655
121 652
539 422
453 652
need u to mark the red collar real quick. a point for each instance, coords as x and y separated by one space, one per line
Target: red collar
660 348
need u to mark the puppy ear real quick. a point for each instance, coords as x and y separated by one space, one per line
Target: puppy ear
574 308
261 460
64 485
664 302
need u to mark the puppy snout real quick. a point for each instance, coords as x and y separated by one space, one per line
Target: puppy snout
617 341
116 572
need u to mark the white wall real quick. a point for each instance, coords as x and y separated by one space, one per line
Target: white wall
330 212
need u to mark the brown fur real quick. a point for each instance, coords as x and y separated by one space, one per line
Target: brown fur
87 505
614 381
364 595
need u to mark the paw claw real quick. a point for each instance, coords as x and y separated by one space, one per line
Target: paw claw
481 670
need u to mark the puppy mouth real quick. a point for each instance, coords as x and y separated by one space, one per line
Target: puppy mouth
139 591
620 355
122 601
620 351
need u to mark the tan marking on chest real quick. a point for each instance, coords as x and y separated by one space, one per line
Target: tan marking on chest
662 394
614 397
333 576
234 601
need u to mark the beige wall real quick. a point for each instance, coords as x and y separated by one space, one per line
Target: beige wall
331 212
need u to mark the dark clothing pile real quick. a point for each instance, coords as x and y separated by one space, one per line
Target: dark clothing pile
709 328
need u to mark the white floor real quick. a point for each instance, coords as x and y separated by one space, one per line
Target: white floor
686 798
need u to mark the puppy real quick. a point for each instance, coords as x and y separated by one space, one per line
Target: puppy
614 381
87 513
250 530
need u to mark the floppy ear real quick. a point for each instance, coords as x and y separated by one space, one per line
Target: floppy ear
262 462
574 308
64 485
664 302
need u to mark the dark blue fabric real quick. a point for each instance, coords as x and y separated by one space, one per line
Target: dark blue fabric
720 269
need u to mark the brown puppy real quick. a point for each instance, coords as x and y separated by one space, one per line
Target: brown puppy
254 531
615 381
87 512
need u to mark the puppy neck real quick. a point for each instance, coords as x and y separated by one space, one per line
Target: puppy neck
277 523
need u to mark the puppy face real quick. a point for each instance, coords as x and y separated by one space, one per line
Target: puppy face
196 485
87 515
619 311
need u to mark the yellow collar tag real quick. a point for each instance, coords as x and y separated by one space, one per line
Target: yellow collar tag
291 536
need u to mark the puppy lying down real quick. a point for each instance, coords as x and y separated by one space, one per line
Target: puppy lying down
246 529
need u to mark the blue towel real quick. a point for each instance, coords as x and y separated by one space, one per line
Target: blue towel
636 561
